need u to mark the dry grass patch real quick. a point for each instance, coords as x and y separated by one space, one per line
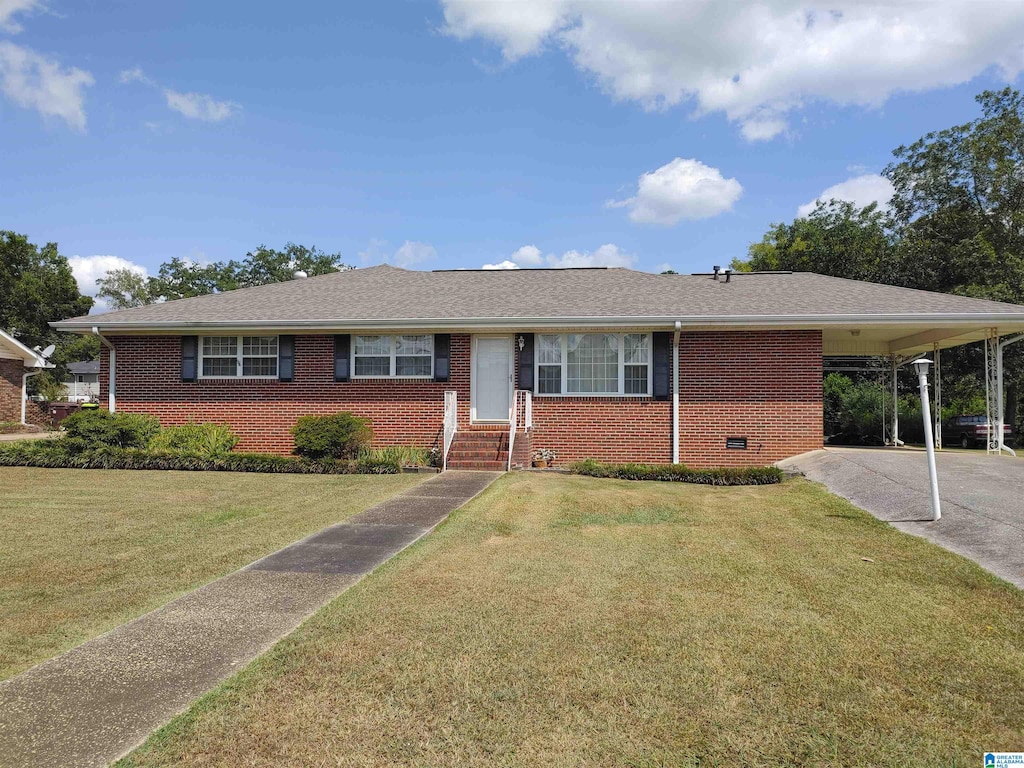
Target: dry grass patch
571 621
85 550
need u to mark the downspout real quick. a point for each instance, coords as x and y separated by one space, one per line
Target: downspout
112 382
24 394
675 392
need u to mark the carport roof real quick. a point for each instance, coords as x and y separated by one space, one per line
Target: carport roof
387 297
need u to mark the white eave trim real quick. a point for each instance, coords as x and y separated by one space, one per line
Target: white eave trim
693 321
29 357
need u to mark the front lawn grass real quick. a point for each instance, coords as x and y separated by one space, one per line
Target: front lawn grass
573 621
82 551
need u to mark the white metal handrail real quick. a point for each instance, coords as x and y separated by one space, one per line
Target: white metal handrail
451 423
519 414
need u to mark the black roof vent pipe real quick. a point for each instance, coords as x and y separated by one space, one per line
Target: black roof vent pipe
728 274
717 270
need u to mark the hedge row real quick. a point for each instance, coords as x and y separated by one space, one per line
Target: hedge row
52 455
679 473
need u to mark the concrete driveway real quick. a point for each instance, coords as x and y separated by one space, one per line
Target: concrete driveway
982 498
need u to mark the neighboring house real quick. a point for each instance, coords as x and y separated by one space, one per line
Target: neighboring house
17 364
82 383
617 365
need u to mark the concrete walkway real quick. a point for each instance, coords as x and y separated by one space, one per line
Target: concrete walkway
95 703
982 498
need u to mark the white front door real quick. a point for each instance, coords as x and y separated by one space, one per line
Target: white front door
492 377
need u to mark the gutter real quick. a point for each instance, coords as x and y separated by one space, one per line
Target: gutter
472 323
675 392
112 383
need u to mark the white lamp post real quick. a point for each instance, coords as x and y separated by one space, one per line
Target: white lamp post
921 366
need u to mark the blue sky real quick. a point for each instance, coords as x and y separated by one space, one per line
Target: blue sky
458 134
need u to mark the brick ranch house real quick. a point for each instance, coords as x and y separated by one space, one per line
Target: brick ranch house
17 364
604 363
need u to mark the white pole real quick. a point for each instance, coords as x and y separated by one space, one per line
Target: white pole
929 444
938 398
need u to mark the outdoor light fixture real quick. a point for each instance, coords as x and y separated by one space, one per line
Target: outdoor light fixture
921 365
522 343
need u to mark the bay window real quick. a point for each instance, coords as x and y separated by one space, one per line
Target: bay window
238 357
593 364
400 356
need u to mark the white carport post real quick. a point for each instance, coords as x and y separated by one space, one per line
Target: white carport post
937 388
896 363
1001 404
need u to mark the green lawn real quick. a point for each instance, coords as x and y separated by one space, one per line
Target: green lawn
82 551
571 621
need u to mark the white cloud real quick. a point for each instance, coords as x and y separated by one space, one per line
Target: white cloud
200 106
412 252
506 264
528 255
88 269
860 190
8 8
756 62
608 255
33 81
681 189
135 75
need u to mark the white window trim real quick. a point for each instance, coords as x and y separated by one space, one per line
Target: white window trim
393 364
238 357
564 365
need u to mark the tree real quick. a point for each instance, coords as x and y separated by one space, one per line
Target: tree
959 203
183 278
959 209
837 238
36 286
124 288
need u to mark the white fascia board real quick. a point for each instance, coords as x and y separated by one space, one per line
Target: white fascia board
693 321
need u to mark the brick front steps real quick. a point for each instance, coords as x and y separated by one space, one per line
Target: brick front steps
479 449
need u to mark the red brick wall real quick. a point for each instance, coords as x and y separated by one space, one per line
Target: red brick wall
262 412
10 389
763 385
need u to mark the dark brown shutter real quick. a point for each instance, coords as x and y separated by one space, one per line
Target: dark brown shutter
189 357
285 358
342 345
526 362
442 356
662 344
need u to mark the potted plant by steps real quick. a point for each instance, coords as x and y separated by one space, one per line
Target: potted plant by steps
543 457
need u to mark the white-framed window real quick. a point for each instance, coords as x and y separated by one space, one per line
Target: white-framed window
229 357
593 364
406 356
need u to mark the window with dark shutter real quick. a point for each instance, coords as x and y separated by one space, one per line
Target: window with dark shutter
526 362
662 344
189 358
442 356
342 347
285 358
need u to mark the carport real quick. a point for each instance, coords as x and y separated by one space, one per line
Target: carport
884 345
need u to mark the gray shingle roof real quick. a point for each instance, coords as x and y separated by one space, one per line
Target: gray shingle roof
86 367
386 293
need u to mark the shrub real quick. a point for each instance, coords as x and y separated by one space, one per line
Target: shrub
90 429
680 473
341 436
54 454
209 441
